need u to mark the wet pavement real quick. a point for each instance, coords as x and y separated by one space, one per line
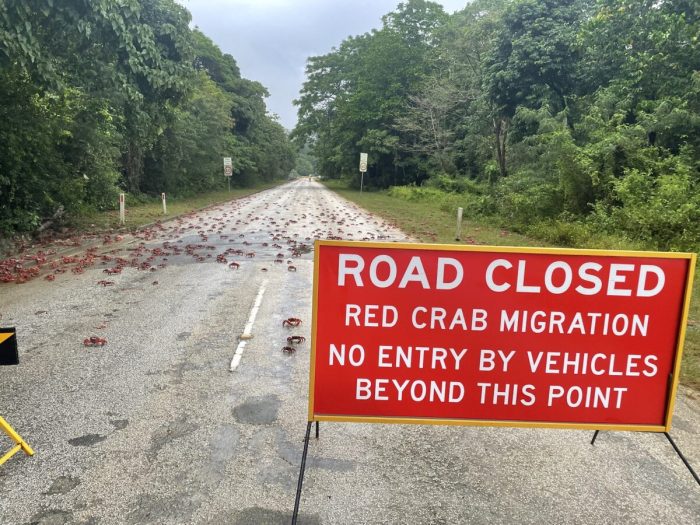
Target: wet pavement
152 427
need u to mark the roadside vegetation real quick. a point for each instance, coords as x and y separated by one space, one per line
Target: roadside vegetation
432 218
100 97
570 121
148 210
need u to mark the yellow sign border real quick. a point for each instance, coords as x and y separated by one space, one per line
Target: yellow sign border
680 338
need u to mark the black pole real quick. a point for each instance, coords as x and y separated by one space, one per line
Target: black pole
680 455
316 429
301 473
594 437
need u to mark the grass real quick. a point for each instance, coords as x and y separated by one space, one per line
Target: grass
139 214
424 221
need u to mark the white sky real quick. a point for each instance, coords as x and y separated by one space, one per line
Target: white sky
271 39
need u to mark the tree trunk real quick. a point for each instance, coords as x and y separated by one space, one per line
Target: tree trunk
500 129
133 165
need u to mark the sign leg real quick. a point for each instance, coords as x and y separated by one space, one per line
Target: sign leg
301 472
20 444
316 429
680 455
594 437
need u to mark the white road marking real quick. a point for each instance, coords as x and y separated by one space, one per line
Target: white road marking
248 328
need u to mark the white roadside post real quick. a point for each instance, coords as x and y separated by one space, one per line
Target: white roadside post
165 206
363 169
122 211
228 170
458 235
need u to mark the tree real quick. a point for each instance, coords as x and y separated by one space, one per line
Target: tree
354 95
101 93
426 127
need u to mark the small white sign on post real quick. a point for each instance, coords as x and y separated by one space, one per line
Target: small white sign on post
228 167
122 211
363 162
165 206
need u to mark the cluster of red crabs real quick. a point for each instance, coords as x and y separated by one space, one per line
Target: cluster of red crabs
292 340
26 267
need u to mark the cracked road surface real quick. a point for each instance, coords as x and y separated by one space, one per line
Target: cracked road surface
154 428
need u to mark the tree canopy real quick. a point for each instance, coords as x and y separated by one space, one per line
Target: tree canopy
576 111
102 96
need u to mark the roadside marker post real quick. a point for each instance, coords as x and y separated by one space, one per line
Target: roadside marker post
10 356
122 209
496 336
165 206
458 235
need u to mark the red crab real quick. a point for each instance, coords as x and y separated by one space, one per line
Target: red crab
94 341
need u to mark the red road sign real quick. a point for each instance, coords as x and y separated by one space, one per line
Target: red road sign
497 336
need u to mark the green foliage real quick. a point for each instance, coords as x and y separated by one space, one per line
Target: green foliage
475 201
567 119
535 58
99 96
450 184
56 152
549 163
355 95
663 212
187 156
305 163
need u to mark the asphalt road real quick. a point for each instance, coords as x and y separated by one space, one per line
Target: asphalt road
153 427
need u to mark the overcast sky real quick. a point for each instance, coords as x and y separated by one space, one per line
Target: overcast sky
271 39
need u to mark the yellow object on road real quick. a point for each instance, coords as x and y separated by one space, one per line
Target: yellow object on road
20 443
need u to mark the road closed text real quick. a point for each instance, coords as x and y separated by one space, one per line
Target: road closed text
559 277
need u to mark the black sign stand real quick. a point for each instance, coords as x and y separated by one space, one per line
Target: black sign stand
301 470
300 482
675 447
